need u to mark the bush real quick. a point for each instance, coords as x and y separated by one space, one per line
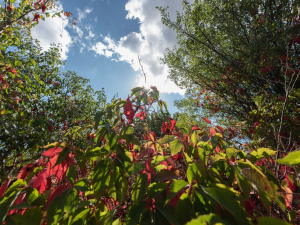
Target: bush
116 171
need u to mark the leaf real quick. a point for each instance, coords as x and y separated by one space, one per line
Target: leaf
55 144
263 184
165 175
96 152
262 153
82 185
230 152
33 173
18 63
166 139
80 216
135 212
228 198
212 131
176 187
4 187
98 117
71 174
216 158
139 188
56 192
206 120
194 138
66 202
15 186
62 156
141 126
155 189
158 159
192 172
101 177
209 219
175 146
271 221
167 213
221 130
292 159
130 139
184 208
30 217
145 152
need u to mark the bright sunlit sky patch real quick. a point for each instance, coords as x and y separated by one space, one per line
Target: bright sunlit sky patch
109 36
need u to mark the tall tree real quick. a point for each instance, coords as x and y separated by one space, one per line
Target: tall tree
240 59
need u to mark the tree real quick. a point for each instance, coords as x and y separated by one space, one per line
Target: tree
240 59
37 102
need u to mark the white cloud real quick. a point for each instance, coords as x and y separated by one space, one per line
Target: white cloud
96 19
82 14
52 30
90 35
102 49
149 44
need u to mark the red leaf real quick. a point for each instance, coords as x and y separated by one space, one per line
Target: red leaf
195 128
288 197
220 129
52 152
206 120
4 187
25 171
59 171
42 182
57 191
19 199
128 110
145 152
212 131
142 115
173 123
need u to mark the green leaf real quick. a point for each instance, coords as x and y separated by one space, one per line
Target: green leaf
194 138
5 202
175 146
22 205
30 217
166 139
262 153
82 185
139 188
33 173
184 208
158 159
243 182
15 186
67 201
96 152
80 216
292 159
98 117
47 14
101 177
192 172
130 139
176 187
18 63
263 184
71 174
271 221
230 152
228 198
216 158
33 62
62 156
166 211
155 189
135 212
209 219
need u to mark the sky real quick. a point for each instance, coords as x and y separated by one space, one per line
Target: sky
107 40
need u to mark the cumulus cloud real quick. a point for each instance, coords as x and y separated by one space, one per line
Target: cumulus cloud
52 30
149 43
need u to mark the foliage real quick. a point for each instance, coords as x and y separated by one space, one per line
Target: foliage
127 175
240 64
37 102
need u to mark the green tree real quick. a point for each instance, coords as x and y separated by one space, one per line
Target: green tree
37 102
240 59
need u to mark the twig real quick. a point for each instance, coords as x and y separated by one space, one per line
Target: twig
142 67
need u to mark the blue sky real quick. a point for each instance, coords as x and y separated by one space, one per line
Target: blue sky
109 36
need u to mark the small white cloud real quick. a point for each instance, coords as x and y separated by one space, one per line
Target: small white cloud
91 35
78 31
96 19
101 49
87 10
